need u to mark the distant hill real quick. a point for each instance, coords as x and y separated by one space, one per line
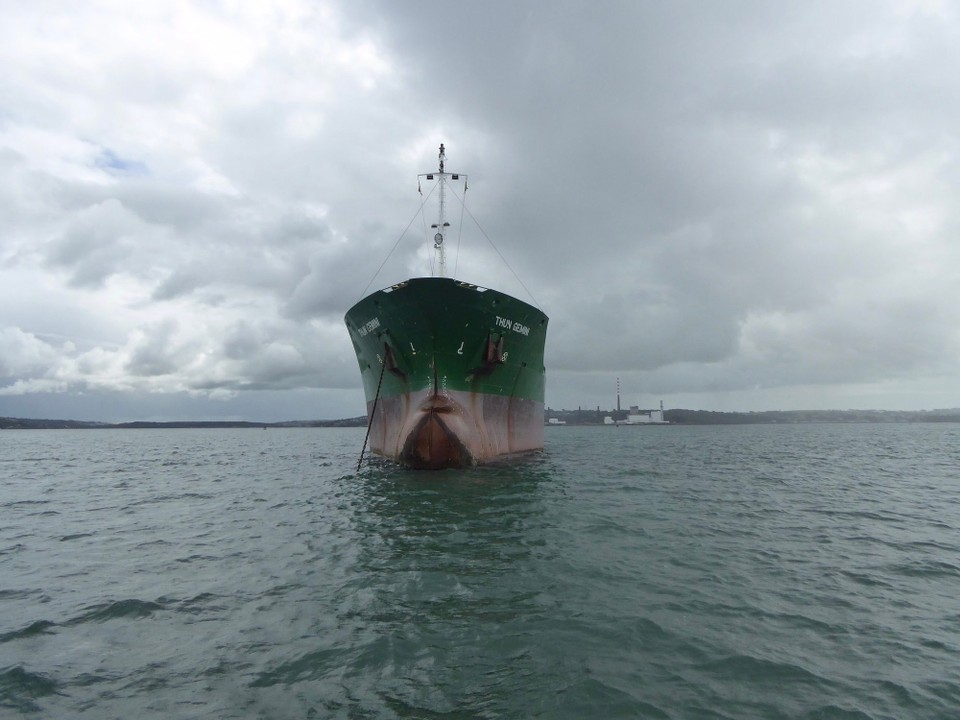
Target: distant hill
702 417
34 424
708 417
570 417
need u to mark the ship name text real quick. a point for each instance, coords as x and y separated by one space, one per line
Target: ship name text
511 325
368 326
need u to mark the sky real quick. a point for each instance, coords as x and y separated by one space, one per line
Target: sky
728 206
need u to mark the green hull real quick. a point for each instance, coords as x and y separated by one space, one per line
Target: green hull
459 370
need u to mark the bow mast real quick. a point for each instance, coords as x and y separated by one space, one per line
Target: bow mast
440 227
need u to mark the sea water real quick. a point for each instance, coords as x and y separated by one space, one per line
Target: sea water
789 571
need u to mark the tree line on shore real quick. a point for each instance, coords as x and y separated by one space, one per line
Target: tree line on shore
34 424
710 417
569 417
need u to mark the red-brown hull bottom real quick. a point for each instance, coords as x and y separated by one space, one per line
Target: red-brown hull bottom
456 429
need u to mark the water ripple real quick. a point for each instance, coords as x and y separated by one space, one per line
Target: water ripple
38 627
727 573
131 608
19 688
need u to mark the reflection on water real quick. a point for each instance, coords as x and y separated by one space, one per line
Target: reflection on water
446 585
424 536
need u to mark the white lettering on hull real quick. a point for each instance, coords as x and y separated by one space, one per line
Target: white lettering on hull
368 326
509 324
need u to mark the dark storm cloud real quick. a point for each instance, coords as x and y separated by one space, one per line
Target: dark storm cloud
738 197
157 354
96 245
684 170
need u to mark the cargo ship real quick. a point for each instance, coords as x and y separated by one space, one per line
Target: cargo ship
452 372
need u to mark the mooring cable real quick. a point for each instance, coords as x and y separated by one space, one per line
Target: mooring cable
372 413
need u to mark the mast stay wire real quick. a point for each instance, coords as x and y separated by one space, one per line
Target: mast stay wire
463 206
423 216
495 248
466 210
420 212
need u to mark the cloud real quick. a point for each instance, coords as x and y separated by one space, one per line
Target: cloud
711 202
23 353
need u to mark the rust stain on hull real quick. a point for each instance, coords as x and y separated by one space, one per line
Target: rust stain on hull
430 430
433 446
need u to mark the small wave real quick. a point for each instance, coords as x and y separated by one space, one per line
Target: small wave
805 622
834 712
167 498
197 557
936 645
86 679
740 667
20 687
223 668
40 627
592 693
119 609
933 545
306 667
863 579
926 568
153 543
23 594
75 536
200 604
900 693
283 589
609 525
858 514
946 692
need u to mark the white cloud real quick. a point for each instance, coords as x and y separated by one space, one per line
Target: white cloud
23 353
715 203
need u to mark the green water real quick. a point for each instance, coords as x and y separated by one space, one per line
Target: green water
802 571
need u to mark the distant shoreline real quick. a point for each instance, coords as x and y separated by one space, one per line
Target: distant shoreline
569 417
34 424
764 417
